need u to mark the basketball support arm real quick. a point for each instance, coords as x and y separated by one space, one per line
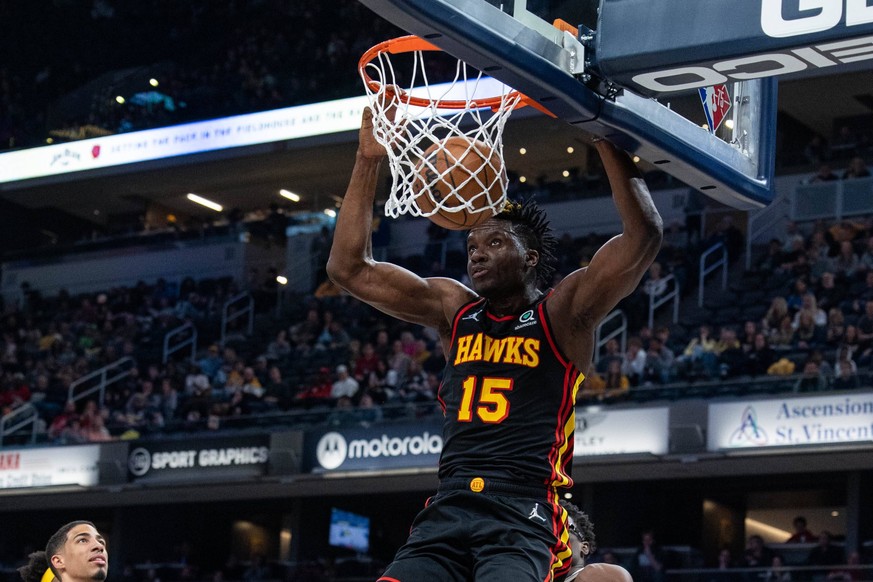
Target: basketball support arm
541 68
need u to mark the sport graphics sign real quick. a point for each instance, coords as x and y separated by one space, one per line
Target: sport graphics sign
44 467
656 47
605 431
818 420
377 448
199 459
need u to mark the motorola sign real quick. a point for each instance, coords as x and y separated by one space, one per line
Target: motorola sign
199 459
361 449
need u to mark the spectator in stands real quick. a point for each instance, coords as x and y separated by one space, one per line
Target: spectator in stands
634 362
747 338
660 362
757 555
729 353
827 293
280 347
836 327
96 431
169 399
343 413
825 553
824 174
366 362
699 356
801 534
62 421
851 574
777 571
344 385
845 372
611 385
845 264
775 314
816 150
368 412
782 338
863 296
612 351
807 334
865 335
799 288
211 362
856 169
845 142
759 359
811 380
649 561
865 263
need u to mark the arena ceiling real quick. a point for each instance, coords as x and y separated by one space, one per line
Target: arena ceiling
318 168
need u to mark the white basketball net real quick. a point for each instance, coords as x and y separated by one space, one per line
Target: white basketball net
415 128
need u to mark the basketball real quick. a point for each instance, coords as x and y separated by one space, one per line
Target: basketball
453 172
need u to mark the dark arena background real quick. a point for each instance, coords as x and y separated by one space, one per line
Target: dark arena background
176 367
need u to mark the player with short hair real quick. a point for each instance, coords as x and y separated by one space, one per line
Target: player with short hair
516 353
74 553
582 543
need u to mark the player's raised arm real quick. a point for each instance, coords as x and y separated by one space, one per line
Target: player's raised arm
389 288
616 269
588 295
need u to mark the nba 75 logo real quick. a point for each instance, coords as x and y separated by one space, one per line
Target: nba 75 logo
814 16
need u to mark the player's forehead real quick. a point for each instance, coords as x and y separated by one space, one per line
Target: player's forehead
83 530
491 227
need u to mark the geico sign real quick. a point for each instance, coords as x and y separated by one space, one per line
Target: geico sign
757 66
825 15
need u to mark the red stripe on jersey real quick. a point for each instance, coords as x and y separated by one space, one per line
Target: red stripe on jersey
495 318
558 460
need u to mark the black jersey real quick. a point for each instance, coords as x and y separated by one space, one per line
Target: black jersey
508 395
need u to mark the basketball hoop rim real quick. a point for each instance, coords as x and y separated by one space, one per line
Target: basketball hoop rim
412 43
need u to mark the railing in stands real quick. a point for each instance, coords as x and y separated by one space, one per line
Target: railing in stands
671 295
18 419
240 305
187 336
619 331
104 377
706 270
766 220
833 200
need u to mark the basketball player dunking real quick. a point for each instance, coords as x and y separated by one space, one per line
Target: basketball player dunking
515 357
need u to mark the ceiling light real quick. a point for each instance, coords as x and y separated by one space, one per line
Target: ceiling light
96 212
153 82
289 195
636 159
522 179
205 202
835 513
330 212
729 123
281 280
565 173
570 149
120 100
522 151
49 140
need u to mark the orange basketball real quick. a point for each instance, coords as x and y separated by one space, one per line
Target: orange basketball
452 172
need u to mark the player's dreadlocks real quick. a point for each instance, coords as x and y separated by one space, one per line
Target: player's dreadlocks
582 523
532 226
